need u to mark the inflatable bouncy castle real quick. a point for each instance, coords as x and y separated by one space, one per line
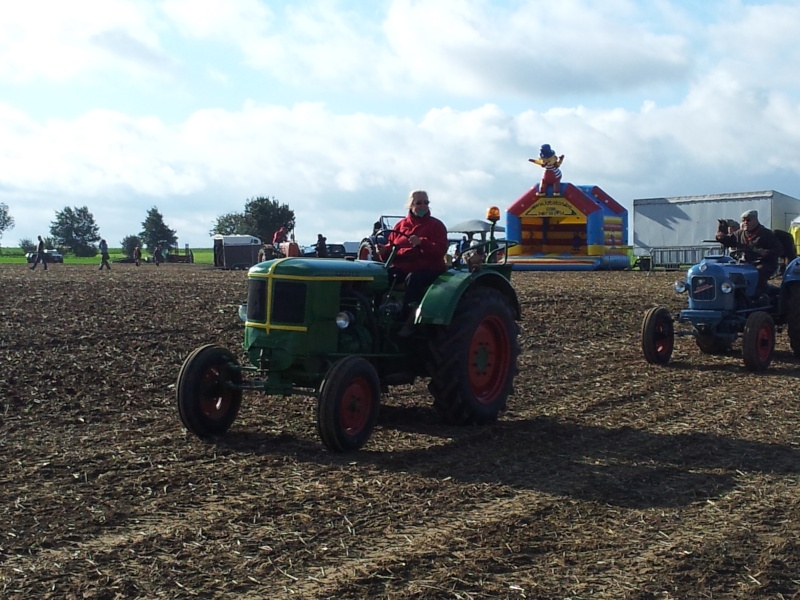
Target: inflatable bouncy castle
582 228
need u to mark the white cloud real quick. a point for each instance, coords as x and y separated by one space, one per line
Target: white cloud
62 40
224 20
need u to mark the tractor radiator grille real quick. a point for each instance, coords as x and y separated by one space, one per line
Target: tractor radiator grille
288 302
256 300
703 288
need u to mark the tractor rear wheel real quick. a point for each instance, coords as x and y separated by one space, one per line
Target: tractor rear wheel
474 359
207 394
347 409
367 250
758 341
793 319
658 336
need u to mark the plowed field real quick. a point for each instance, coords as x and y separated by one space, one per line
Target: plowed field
606 478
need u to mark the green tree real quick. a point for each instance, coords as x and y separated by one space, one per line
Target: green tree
268 216
156 233
27 245
6 220
233 224
129 243
74 228
262 217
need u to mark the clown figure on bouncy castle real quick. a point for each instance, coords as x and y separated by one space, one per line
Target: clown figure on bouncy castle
552 173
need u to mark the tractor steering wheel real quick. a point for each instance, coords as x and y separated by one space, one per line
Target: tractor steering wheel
393 248
743 255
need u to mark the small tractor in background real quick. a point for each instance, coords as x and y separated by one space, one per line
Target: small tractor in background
330 329
174 255
368 249
723 306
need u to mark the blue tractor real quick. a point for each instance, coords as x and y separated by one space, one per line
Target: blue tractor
722 307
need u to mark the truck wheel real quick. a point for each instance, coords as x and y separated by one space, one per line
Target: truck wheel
658 336
348 404
712 344
474 359
793 319
207 404
758 341
367 250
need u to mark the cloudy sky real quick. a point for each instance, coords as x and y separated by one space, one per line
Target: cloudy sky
339 108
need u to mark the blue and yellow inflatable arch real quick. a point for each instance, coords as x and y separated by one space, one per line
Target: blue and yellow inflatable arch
582 229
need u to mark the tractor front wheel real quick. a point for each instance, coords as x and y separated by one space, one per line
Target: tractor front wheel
658 336
208 395
758 341
475 359
348 404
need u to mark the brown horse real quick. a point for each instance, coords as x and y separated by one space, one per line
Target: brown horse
789 249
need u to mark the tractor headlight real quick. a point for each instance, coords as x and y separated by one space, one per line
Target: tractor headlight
679 287
726 287
243 312
344 319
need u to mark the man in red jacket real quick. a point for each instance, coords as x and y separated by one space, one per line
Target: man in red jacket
419 259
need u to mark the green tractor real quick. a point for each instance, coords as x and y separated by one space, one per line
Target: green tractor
329 329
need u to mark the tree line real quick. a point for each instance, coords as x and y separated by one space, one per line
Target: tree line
75 230
262 217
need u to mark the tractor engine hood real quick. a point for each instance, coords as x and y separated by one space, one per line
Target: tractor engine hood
315 269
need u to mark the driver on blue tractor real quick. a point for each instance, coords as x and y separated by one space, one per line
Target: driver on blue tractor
757 246
420 256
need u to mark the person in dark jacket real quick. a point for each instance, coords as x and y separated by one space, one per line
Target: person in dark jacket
757 245
419 259
321 247
104 256
39 255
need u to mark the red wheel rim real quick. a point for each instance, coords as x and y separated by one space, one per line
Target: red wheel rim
764 342
215 400
488 359
356 406
363 254
663 338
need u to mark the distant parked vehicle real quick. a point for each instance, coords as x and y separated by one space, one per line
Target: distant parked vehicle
236 252
51 256
334 251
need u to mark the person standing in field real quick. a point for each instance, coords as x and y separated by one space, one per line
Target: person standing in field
137 256
104 256
321 247
39 255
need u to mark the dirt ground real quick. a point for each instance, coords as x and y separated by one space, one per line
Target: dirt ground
606 478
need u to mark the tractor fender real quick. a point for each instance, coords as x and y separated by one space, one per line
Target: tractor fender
792 272
440 301
790 279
